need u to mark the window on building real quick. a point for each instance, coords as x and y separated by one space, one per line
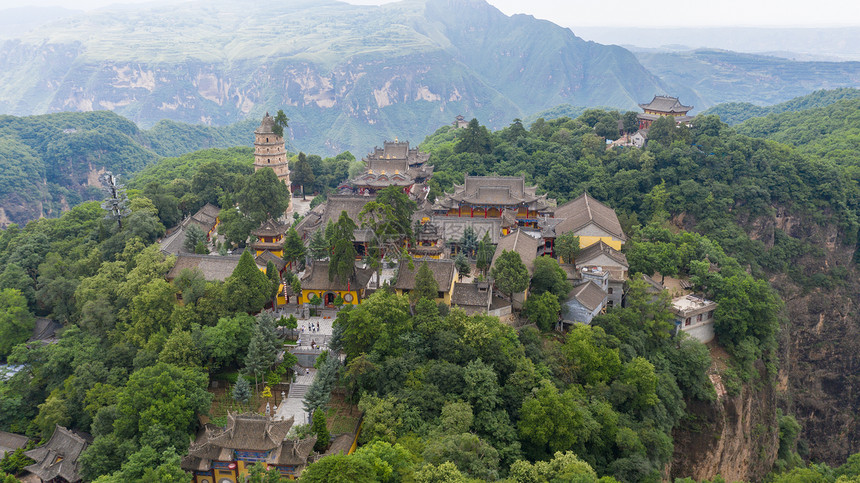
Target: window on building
609 291
711 314
610 302
699 318
687 322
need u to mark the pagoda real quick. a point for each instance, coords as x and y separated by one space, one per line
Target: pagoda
662 106
270 151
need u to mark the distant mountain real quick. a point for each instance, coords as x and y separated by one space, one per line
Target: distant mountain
837 43
52 162
737 112
708 77
348 76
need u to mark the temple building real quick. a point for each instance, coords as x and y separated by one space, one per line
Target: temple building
316 282
270 238
395 164
662 106
444 272
57 460
589 219
270 151
492 196
223 455
695 316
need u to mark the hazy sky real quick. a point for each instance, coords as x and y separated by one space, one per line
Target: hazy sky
652 13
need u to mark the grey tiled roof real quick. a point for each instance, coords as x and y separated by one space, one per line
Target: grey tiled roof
316 278
589 294
666 104
443 273
11 441
579 212
600 248
518 241
213 267
58 457
468 295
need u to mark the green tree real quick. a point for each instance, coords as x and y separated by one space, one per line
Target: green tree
320 429
162 401
339 468
425 284
281 122
263 196
469 241
402 209
392 462
16 322
510 273
294 248
551 421
191 284
318 246
247 289
464 268
446 472
342 264
472 455
259 474
193 235
235 227
484 256
549 277
241 390
179 350
475 139
566 247
302 173
151 311
542 310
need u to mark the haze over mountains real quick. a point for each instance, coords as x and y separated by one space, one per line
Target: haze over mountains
350 75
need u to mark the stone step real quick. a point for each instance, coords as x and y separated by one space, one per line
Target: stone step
298 390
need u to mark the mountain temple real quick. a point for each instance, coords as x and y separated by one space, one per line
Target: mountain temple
662 106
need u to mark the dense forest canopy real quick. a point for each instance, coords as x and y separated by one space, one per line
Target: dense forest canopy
443 394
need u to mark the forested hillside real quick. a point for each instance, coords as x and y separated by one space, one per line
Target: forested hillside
50 163
447 395
831 132
733 113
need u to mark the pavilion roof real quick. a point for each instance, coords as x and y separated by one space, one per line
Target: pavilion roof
58 457
666 104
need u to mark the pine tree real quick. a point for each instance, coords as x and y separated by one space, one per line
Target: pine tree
281 122
294 248
242 390
425 284
464 268
469 241
319 247
485 253
320 428
342 264
475 139
193 235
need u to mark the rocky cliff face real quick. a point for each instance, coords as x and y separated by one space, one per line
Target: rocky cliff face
820 350
735 436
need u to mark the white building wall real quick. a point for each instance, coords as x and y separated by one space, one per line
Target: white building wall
703 331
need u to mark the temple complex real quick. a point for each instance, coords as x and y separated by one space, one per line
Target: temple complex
395 164
270 151
223 455
662 106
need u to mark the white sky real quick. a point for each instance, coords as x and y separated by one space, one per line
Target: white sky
625 13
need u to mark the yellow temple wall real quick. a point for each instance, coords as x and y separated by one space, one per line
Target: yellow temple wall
586 241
